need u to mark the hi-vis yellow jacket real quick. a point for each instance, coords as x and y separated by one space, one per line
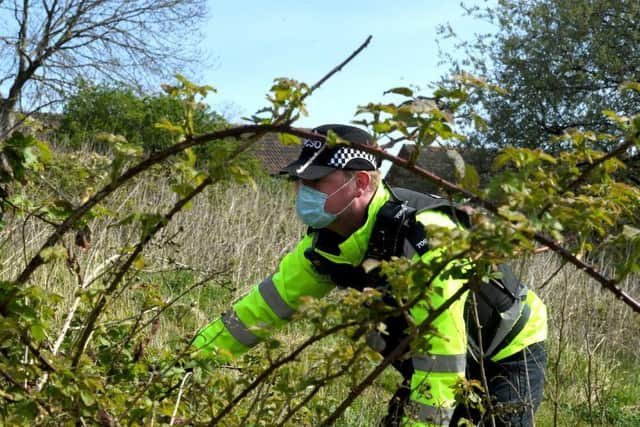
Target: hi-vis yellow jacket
436 370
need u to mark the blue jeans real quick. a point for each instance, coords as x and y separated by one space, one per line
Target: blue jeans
515 385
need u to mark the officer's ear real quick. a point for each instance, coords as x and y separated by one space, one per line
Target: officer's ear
363 181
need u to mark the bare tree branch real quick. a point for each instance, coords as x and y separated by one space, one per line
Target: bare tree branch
337 68
395 354
607 283
113 39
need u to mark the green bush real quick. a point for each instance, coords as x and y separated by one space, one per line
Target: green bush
118 110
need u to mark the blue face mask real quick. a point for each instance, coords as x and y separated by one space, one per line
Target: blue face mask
310 206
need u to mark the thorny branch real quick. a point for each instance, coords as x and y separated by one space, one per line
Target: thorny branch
607 283
274 366
337 68
253 131
102 301
395 354
153 159
291 356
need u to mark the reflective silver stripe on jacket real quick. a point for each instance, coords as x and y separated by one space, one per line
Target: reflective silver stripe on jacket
509 319
450 363
430 414
273 299
239 331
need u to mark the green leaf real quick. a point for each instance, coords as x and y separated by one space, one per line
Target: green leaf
332 140
399 91
87 398
288 139
478 122
511 215
547 157
635 86
59 209
125 149
110 138
27 409
139 263
30 158
614 117
44 149
182 189
150 221
471 179
191 157
37 332
382 127
165 124
242 176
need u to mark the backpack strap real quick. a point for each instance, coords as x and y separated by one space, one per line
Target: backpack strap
425 201
501 304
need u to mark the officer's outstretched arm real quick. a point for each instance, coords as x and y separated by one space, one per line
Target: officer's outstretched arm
268 305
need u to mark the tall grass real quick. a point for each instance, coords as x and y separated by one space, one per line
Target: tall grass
234 235
592 376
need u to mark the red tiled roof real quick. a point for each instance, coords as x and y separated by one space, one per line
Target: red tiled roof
273 154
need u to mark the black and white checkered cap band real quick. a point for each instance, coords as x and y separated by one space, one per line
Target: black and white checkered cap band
345 154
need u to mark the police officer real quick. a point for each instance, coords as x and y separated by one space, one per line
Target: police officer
339 196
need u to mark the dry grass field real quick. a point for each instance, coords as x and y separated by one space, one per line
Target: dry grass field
233 236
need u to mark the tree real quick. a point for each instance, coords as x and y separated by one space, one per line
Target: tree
561 63
45 47
117 109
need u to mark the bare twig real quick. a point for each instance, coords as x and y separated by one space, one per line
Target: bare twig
83 284
274 366
481 356
175 408
336 69
553 275
317 387
173 301
605 282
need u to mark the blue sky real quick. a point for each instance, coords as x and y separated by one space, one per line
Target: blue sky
252 42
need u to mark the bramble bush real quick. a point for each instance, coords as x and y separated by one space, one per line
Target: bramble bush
89 350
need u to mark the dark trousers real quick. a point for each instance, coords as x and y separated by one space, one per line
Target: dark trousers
515 385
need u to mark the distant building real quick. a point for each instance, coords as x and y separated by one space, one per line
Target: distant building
442 162
273 154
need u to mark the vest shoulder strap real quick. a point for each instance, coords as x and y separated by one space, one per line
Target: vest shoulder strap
396 222
500 304
425 201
